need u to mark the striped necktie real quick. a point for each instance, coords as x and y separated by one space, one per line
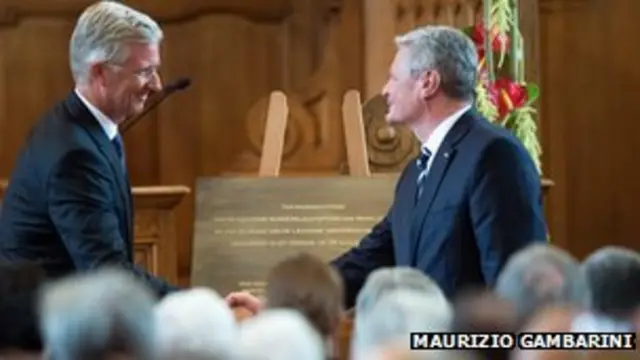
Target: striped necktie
422 162
118 144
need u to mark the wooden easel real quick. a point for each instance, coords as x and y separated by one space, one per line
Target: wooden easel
357 159
276 125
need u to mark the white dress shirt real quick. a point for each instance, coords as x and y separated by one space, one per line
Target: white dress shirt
439 133
110 128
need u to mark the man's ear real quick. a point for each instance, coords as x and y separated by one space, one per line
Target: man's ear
97 72
429 83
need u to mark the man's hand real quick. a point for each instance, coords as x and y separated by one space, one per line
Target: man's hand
246 300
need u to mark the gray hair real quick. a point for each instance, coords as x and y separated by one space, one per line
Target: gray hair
393 300
91 315
613 275
397 314
539 276
195 324
103 32
446 50
279 334
385 280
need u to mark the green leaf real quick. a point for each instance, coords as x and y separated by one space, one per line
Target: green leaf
533 92
468 30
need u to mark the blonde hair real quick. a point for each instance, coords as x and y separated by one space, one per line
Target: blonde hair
103 32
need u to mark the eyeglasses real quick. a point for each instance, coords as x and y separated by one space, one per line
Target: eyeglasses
146 73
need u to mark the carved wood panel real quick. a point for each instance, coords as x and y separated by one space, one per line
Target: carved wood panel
11 11
391 147
147 224
146 255
550 6
314 129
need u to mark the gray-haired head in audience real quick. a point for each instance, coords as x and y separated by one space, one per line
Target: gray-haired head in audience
97 314
195 324
540 276
394 302
613 275
382 281
395 316
279 334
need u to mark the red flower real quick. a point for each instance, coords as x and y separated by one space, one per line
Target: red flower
506 95
497 39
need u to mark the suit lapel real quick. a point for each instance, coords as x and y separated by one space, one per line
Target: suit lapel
83 117
443 159
405 206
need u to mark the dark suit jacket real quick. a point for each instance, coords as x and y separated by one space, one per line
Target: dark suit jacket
481 203
19 316
69 205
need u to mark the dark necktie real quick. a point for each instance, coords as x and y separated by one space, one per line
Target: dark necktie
422 162
118 144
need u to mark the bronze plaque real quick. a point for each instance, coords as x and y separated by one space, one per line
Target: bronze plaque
244 226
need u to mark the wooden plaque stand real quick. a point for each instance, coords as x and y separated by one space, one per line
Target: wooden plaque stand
276 125
357 160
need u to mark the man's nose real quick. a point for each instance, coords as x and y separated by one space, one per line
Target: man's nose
385 91
155 83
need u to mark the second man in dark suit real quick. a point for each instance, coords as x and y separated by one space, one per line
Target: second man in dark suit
473 196
68 206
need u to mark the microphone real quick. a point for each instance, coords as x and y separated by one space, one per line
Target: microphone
178 85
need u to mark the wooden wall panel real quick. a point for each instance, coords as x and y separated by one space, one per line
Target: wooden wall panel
385 19
590 77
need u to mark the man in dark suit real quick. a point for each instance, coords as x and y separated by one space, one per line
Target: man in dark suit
69 205
473 196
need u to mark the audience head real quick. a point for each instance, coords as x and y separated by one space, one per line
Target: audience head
385 280
306 283
395 315
96 314
540 276
279 334
481 311
195 324
114 53
434 67
618 298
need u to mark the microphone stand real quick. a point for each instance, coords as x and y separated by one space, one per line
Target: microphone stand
163 94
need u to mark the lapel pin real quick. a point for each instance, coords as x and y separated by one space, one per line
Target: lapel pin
446 155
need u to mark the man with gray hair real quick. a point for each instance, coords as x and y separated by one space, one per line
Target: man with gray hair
471 198
68 205
393 318
392 303
96 316
279 334
540 276
613 276
195 324
386 280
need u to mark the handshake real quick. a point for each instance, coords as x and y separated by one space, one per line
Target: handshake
246 301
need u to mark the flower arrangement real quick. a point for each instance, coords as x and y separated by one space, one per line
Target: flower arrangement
502 95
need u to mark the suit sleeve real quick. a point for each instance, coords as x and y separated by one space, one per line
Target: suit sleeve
374 251
81 209
506 205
